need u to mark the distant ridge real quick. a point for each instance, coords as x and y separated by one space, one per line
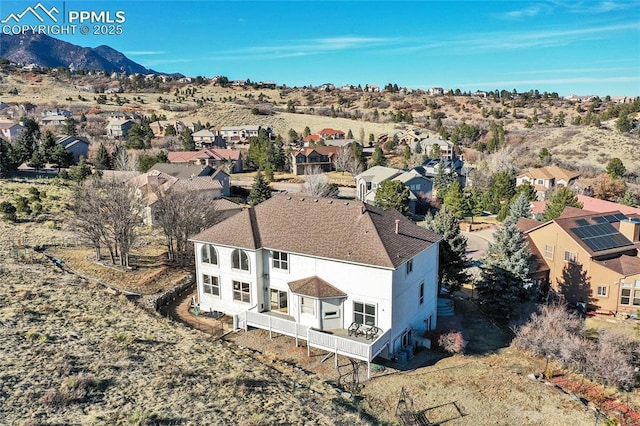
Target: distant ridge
49 52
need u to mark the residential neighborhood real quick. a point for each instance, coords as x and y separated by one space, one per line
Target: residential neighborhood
378 254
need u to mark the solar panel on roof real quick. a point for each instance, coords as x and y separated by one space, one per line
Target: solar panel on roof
582 222
599 219
620 216
611 218
601 236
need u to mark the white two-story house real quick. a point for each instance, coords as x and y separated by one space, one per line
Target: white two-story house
345 276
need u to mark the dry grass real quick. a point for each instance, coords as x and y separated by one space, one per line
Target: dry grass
72 354
575 146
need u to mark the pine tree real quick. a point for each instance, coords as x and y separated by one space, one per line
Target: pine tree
454 200
378 158
505 280
259 190
562 198
442 179
453 246
103 159
521 207
393 194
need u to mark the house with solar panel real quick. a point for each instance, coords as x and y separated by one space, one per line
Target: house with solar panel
348 278
588 257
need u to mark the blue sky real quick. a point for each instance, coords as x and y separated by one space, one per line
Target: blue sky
581 47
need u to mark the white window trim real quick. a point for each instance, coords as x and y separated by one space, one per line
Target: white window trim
409 266
240 292
279 262
212 251
547 249
603 291
570 259
421 293
211 285
240 253
364 314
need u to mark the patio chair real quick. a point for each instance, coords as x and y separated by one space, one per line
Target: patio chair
354 329
372 332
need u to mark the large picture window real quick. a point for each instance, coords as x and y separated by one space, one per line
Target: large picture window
240 260
281 260
241 292
211 285
209 254
364 313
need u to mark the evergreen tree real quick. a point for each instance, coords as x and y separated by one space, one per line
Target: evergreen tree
186 138
103 159
406 156
615 168
259 190
349 134
80 171
563 197
505 280
528 190
393 194
60 157
306 131
69 127
454 200
7 162
520 207
630 198
418 148
378 158
442 179
435 152
452 266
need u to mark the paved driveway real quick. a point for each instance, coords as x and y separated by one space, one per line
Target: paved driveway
478 242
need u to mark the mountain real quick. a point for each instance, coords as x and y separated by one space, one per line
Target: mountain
40 49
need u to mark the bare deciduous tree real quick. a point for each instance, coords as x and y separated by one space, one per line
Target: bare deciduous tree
107 214
343 159
317 184
181 214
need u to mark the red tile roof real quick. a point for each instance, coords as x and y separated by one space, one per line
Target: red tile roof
310 138
330 132
347 231
602 206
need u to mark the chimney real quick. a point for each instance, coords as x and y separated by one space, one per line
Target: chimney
630 228
397 226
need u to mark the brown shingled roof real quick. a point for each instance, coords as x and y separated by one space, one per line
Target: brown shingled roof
328 228
624 265
315 287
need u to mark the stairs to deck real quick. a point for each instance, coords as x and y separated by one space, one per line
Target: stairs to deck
445 307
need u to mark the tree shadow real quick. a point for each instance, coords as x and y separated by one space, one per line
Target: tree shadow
575 285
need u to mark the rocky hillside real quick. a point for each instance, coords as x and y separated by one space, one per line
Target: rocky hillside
45 51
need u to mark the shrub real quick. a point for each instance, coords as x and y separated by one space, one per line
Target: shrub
8 211
452 342
22 205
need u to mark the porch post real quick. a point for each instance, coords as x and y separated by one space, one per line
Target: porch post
308 343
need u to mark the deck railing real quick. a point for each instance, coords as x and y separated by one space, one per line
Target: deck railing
365 351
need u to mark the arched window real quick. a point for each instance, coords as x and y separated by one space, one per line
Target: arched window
209 254
240 260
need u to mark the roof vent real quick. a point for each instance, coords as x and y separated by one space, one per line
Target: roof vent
301 199
315 201
346 203
397 226
288 198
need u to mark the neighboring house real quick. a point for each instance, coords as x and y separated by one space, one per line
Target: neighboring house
240 134
205 138
159 127
227 159
446 148
329 133
77 146
53 120
152 184
309 158
57 111
591 204
311 138
353 279
546 178
186 171
591 257
10 131
435 91
407 138
117 128
367 184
